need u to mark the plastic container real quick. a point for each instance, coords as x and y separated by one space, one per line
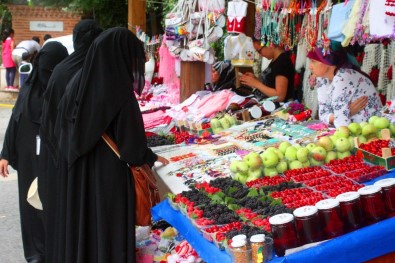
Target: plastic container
283 232
351 210
330 216
308 225
388 189
257 243
372 202
239 251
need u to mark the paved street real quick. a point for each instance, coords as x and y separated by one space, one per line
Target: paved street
11 250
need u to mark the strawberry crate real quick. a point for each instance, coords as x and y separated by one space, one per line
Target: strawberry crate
387 159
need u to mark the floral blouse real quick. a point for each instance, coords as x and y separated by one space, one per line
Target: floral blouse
347 86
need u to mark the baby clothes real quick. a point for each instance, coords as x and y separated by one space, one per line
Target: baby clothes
239 50
237 11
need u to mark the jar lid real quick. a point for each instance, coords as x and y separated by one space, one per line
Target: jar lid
327 203
239 237
238 243
385 182
307 210
257 238
348 196
255 112
269 105
370 189
281 219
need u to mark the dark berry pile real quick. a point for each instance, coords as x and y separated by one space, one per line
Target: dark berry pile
196 196
280 187
157 140
225 183
239 194
262 207
246 230
221 214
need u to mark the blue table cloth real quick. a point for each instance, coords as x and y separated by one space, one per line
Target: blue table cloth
358 246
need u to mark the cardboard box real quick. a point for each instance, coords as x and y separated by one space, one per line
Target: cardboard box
387 160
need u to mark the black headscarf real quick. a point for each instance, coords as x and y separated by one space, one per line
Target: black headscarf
227 75
30 99
83 35
112 71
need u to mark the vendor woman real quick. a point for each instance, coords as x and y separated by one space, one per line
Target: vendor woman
277 78
338 84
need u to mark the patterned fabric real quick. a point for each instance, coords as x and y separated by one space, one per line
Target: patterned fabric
334 97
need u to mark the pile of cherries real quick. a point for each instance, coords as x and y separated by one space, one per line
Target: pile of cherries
375 147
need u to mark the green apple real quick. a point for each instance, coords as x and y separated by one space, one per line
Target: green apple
306 163
241 177
325 142
342 145
242 167
253 160
363 124
271 148
297 146
234 166
269 158
283 146
392 129
369 130
282 167
302 154
318 154
214 123
343 155
342 132
355 128
331 155
352 144
381 123
231 119
295 165
311 146
290 153
372 119
254 174
378 134
333 138
217 130
315 162
224 123
270 171
362 139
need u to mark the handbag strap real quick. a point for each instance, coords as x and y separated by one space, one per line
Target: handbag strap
113 146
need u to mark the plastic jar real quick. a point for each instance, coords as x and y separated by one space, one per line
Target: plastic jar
388 190
351 210
283 232
308 225
257 248
372 203
330 216
240 252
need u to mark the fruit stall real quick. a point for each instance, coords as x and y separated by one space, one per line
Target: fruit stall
241 179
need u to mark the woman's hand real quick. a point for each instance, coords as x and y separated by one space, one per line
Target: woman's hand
4 168
358 105
249 79
163 160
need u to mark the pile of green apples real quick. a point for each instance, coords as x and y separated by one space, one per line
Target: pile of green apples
222 123
371 129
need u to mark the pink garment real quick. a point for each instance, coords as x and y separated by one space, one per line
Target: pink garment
7 54
155 119
215 102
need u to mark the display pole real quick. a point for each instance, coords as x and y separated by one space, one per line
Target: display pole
192 78
136 15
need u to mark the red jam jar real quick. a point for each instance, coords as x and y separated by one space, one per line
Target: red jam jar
388 190
372 202
351 210
283 233
330 216
308 225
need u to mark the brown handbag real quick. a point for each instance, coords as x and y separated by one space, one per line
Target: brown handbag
147 193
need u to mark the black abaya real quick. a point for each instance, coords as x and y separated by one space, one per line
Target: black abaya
21 146
100 215
55 167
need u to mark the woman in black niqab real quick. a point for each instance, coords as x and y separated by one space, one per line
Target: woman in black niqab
21 148
100 219
55 168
